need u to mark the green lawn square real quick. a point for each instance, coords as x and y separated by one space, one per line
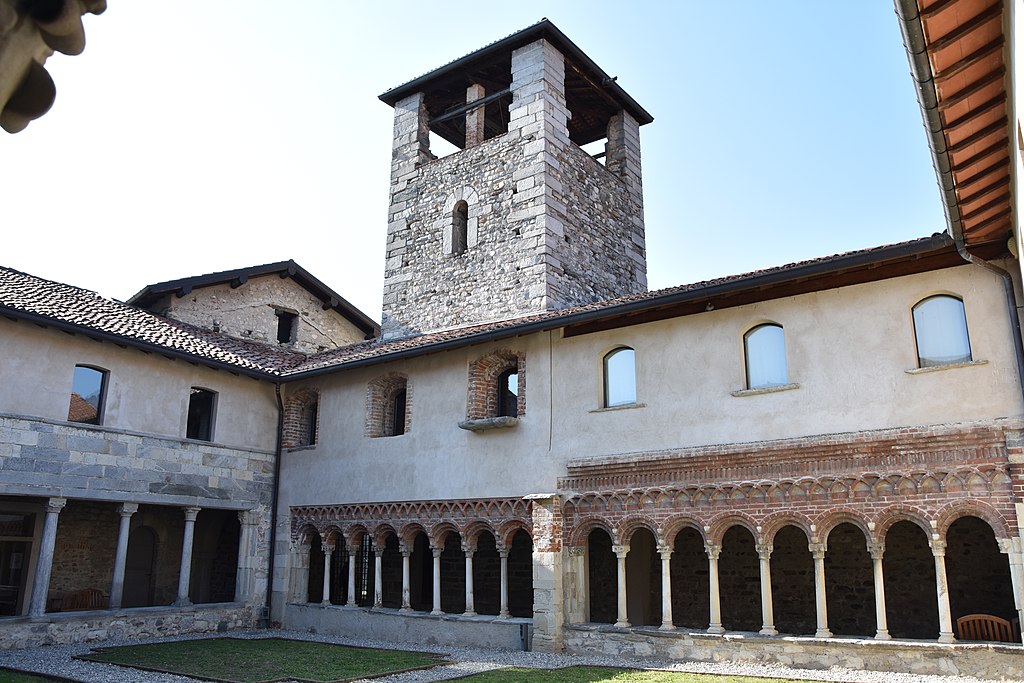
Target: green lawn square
263 660
600 674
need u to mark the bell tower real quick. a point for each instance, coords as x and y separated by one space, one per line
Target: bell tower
521 219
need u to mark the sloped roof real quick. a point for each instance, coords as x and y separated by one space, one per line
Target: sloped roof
238 277
78 310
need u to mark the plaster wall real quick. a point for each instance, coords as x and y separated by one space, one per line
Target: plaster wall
146 393
848 349
249 312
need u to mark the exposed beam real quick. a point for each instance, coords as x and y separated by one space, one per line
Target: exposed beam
970 60
987 206
239 281
975 87
990 221
469 106
183 291
983 154
988 189
976 112
999 166
938 8
973 139
968 27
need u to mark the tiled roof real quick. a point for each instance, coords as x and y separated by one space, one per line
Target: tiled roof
23 295
60 305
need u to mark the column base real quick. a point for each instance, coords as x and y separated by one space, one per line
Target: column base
667 627
406 609
883 634
182 602
325 603
716 629
437 612
504 615
469 613
823 633
946 638
768 631
621 624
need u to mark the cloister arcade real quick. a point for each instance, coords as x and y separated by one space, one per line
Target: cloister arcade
900 574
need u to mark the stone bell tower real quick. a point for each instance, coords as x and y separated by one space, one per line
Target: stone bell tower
521 219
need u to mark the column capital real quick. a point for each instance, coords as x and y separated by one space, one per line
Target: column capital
436 552
764 550
191 513
404 550
712 550
620 551
468 547
876 549
574 550
938 547
55 505
817 550
352 551
665 551
248 517
327 548
128 509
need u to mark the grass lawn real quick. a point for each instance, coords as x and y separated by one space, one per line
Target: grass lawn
8 676
600 674
254 661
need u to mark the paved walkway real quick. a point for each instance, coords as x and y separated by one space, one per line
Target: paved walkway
58 660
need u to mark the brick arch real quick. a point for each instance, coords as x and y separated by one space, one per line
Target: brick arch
381 533
380 394
625 529
508 530
331 534
585 526
722 522
776 521
482 395
901 512
671 527
301 418
958 509
354 535
439 532
410 530
472 530
830 519
304 534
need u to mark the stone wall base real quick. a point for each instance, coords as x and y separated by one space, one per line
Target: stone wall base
143 622
999 662
405 627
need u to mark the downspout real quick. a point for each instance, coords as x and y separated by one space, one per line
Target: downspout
921 70
273 506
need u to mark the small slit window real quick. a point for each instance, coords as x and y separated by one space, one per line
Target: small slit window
508 393
201 405
764 348
286 327
619 378
398 405
460 228
940 330
88 393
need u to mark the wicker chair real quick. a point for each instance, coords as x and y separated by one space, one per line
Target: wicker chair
984 627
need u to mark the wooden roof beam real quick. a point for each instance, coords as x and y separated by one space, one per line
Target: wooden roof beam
968 27
987 206
970 60
972 139
988 189
983 154
976 112
975 87
980 175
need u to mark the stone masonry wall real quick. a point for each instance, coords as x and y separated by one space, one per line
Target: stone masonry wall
249 312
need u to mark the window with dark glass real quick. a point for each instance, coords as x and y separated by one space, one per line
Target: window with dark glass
764 348
201 405
940 329
286 327
460 228
88 389
309 419
508 394
619 377
398 413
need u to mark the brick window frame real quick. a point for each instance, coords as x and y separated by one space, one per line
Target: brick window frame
380 404
301 419
482 401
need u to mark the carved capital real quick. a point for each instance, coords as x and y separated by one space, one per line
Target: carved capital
764 550
712 550
876 550
128 509
938 547
817 550
573 550
248 517
665 551
620 551
55 505
327 548
191 513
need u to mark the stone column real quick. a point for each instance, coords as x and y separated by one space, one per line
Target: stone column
351 601
621 551
300 571
821 607
328 554
474 117
877 550
378 580
406 551
548 572
666 588
942 592
185 571
764 554
120 557
503 554
713 551
44 562
470 607
437 579
1011 547
248 519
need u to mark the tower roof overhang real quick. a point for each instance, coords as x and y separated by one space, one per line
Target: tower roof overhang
591 94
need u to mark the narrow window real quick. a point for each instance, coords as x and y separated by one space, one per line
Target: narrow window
765 349
286 324
310 416
508 394
201 403
460 227
88 391
940 328
398 413
619 378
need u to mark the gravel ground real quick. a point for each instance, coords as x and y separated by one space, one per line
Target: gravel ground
58 660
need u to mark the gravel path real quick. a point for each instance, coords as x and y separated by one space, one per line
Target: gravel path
58 660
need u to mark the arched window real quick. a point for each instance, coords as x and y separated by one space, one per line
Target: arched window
765 350
301 419
88 390
460 228
387 406
940 329
398 405
619 377
508 393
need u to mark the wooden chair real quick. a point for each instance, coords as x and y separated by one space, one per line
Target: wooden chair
87 598
984 627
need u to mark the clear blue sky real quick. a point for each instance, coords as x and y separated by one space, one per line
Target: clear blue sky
197 136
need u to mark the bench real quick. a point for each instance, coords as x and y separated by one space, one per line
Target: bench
984 627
